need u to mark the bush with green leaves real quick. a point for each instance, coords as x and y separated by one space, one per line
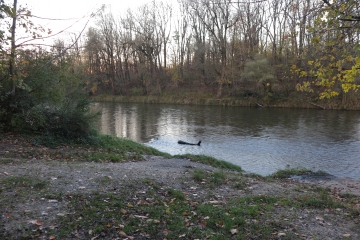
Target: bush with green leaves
259 72
50 99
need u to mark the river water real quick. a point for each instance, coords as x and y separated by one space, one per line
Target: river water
260 140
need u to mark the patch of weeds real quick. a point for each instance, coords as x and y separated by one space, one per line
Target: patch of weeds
319 202
149 182
294 172
18 189
23 182
218 177
352 198
169 214
211 161
177 194
199 175
355 213
7 161
240 184
324 194
236 181
105 180
57 196
212 178
298 189
123 146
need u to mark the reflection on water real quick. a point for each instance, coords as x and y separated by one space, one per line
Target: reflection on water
258 139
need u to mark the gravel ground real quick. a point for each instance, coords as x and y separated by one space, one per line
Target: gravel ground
87 177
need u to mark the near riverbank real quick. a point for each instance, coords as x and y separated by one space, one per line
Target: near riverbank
122 190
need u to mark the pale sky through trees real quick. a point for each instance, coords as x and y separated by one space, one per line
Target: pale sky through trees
72 10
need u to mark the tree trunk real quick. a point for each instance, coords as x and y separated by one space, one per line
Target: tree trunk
11 95
12 54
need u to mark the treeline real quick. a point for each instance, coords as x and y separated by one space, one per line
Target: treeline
236 48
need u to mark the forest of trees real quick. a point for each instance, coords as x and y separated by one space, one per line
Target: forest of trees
268 49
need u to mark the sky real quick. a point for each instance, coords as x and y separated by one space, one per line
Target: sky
73 10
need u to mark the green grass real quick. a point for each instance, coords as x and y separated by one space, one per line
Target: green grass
199 175
211 161
167 213
294 172
22 182
114 149
239 183
100 148
122 145
167 216
218 177
17 191
213 179
107 148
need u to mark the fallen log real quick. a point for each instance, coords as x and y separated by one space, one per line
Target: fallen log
186 143
317 105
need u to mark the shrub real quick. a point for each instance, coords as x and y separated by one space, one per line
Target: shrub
259 72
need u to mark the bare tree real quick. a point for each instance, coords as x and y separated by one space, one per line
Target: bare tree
218 16
164 13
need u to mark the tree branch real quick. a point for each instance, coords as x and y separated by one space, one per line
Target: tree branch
352 18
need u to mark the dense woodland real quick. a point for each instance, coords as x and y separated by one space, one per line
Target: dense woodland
267 48
273 50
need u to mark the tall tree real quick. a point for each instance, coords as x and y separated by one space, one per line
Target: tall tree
332 67
218 17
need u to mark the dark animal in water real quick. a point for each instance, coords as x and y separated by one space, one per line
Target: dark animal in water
182 142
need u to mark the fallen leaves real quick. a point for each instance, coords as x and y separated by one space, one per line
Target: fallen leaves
35 222
123 211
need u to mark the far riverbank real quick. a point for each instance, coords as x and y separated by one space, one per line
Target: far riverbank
198 99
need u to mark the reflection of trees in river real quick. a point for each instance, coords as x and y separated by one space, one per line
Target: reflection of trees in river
259 139
141 122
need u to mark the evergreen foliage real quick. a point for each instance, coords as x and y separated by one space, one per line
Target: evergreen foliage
259 71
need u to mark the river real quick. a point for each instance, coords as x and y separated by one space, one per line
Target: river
260 140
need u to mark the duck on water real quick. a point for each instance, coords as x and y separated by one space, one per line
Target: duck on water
186 143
